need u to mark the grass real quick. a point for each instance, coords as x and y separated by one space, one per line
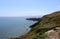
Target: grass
38 36
44 26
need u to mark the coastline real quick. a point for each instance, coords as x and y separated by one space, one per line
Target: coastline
31 26
49 23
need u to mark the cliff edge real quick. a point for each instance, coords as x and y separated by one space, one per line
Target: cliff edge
47 28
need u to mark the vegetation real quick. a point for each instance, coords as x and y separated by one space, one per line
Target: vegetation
38 36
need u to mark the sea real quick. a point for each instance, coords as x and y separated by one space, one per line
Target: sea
14 26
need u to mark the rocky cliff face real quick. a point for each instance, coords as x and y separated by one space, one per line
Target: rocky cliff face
47 28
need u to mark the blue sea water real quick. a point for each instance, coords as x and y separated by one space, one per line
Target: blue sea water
13 26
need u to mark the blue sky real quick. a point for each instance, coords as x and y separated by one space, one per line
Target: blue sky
28 7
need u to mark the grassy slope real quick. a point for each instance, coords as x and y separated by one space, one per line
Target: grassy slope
48 22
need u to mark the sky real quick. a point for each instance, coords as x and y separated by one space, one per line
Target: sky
28 7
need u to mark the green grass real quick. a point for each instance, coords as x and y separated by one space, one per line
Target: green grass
39 36
44 26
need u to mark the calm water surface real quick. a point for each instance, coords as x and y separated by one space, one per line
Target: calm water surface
13 26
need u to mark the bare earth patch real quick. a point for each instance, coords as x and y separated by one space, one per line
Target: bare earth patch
53 34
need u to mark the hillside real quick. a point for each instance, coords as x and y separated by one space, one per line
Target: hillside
47 28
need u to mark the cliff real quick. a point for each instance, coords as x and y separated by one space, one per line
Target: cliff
47 28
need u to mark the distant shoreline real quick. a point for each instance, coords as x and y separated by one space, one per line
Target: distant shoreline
34 19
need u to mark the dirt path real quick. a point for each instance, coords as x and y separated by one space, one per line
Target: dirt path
53 35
